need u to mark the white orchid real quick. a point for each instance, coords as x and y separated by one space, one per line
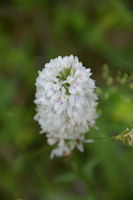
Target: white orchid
66 103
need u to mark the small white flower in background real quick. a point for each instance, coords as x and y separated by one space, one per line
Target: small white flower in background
66 103
126 137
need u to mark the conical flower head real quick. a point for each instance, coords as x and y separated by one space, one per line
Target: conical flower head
65 103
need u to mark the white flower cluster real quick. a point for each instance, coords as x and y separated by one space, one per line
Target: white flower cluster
66 103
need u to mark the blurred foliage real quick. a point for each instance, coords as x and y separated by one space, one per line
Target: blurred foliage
32 32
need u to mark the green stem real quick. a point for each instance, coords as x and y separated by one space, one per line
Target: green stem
101 138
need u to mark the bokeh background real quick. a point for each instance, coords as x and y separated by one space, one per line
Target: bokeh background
31 32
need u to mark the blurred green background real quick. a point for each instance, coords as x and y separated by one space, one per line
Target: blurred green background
32 32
